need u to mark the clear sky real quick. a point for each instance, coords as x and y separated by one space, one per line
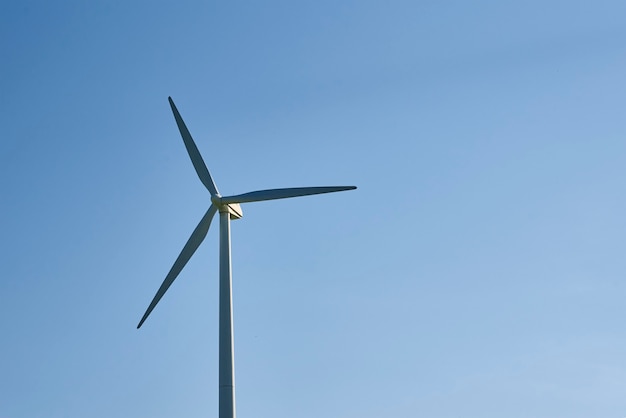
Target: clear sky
478 271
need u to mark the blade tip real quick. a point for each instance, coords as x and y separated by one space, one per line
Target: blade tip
142 321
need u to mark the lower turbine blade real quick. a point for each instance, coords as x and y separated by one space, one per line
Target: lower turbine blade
272 194
194 241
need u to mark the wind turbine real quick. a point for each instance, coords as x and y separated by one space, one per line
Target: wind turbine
229 208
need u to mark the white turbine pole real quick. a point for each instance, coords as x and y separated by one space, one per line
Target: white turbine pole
226 346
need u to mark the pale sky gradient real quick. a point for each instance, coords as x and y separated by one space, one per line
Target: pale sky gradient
478 271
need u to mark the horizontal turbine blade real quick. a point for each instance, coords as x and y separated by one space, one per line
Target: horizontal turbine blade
272 194
192 150
194 241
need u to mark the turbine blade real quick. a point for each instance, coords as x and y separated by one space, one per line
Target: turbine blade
272 194
192 150
194 241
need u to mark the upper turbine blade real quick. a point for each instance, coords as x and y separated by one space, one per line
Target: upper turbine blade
196 158
194 241
272 194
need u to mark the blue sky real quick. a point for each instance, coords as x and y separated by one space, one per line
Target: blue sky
478 271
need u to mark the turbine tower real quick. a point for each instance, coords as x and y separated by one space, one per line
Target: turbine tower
229 208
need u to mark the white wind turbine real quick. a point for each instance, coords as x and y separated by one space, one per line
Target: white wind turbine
228 208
